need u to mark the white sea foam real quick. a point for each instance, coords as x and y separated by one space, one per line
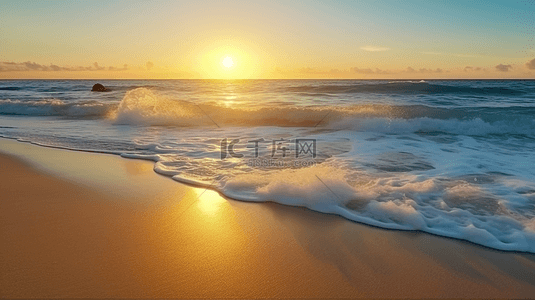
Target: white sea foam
411 206
483 211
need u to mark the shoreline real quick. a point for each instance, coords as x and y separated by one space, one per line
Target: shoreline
125 231
193 184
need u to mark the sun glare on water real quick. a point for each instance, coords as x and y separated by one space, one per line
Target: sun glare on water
228 62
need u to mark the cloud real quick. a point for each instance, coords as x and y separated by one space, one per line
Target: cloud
55 68
424 70
335 73
374 48
503 68
25 66
531 64
361 71
470 69
149 65
32 66
368 71
124 68
95 64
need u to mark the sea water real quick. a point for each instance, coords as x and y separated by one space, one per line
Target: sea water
451 158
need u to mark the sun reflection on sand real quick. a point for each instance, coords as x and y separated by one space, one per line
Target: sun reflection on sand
210 202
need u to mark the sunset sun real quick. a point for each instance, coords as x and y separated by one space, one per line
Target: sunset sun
228 62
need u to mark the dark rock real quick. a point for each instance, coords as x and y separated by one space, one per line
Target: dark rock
99 88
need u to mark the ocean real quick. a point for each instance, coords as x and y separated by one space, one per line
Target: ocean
453 158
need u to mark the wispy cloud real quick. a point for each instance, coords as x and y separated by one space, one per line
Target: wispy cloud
32 66
335 72
531 64
97 67
424 70
437 70
470 69
374 48
368 71
503 68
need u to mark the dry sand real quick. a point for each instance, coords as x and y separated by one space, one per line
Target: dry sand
76 224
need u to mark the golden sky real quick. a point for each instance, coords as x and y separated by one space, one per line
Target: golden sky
275 39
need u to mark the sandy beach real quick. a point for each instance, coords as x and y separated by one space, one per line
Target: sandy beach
77 224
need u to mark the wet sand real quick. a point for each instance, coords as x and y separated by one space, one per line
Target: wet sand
76 224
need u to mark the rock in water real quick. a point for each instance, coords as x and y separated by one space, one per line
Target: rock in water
99 88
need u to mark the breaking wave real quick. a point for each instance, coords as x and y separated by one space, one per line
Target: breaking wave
142 106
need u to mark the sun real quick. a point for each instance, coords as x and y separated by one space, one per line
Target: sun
228 62
223 60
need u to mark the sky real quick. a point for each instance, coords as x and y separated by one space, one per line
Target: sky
267 39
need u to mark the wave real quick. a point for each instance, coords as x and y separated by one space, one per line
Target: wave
55 107
142 106
405 87
471 127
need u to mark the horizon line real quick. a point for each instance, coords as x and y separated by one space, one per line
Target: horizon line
236 79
